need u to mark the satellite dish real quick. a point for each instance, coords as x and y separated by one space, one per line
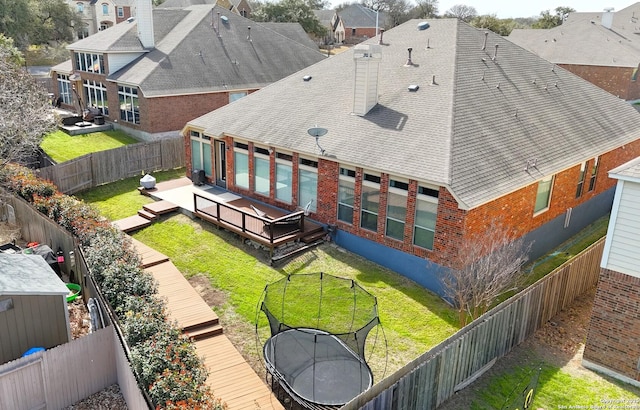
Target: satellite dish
317 132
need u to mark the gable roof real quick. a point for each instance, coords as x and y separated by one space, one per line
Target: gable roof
629 171
22 274
190 56
359 16
583 40
184 3
472 131
293 31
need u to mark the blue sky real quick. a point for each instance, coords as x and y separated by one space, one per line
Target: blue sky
520 8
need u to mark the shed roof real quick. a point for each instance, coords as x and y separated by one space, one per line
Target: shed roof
472 130
22 274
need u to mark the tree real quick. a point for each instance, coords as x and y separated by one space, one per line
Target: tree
290 11
425 9
502 27
548 20
486 266
462 12
25 109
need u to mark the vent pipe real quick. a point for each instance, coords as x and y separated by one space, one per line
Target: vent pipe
249 33
380 39
145 23
495 54
409 63
367 62
484 44
218 26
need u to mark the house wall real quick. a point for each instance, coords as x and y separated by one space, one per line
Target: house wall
34 321
616 80
126 10
623 241
360 32
614 331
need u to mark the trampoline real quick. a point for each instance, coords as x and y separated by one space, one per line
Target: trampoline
319 325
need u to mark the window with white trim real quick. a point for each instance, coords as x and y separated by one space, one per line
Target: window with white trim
201 152
594 173
346 193
396 209
129 107
96 94
261 170
241 164
105 9
543 196
80 7
424 226
308 184
284 177
91 63
64 88
120 11
580 186
370 202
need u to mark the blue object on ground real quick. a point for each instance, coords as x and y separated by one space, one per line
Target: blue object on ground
33 350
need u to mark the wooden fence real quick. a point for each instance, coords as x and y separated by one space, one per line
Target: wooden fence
432 378
66 374
112 165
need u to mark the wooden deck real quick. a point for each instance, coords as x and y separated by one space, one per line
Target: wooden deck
231 377
146 216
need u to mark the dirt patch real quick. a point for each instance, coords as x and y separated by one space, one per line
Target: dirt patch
215 298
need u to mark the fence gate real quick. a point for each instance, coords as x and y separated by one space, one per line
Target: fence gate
23 387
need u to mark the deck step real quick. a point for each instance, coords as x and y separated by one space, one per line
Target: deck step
132 223
160 207
280 258
313 236
148 215
203 332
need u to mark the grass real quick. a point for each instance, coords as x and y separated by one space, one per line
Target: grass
62 147
121 199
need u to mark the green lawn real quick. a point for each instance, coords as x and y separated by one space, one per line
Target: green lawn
62 147
121 199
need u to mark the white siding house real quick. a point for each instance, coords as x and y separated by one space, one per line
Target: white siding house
621 252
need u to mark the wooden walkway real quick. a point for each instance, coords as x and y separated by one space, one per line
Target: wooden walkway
230 376
146 216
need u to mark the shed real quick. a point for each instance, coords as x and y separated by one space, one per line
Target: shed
33 306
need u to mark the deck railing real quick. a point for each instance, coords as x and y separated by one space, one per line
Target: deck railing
264 229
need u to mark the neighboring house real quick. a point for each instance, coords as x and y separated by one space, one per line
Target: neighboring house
99 15
334 25
33 306
612 343
152 74
603 48
432 136
240 7
361 23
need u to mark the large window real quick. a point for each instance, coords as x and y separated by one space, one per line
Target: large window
261 170
129 108
64 88
96 94
346 192
594 173
105 9
370 202
92 63
236 96
543 197
284 177
396 209
80 7
201 152
583 167
241 162
425 222
308 184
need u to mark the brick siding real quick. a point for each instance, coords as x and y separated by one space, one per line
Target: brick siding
614 331
616 80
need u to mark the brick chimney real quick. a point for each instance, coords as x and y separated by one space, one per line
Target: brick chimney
607 18
144 15
365 95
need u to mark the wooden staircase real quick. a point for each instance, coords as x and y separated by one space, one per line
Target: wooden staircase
146 216
204 330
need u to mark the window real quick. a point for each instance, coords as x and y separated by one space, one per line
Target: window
96 94
105 9
236 96
80 7
284 177
370 202
396 209
308 184
346 193
129 108
105 25
583 167
594 173
120 12
64 88
425 222
91 63
201 153
83 33
543 196
241 162
261 168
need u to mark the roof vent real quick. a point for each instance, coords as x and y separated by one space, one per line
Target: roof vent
307 78
607 18
484 43
413 87
130 20
225 19
423 26
380 40
409 63
495 54
249 33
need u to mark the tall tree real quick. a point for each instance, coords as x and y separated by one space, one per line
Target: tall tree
25 109
548 20
462 12
290 11
502 27
486 266
425 9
